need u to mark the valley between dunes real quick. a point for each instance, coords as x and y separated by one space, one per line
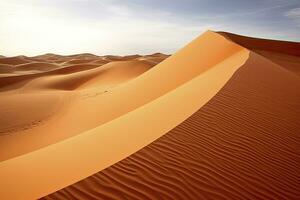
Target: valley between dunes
219 119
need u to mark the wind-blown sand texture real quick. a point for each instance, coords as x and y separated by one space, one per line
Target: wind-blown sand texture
219 119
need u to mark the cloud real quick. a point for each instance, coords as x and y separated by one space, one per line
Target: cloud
294 14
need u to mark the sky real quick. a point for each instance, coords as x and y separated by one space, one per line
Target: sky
124 27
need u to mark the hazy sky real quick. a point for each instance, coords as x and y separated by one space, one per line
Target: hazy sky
31 27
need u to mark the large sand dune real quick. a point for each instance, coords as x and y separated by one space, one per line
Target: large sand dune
216 120
237 146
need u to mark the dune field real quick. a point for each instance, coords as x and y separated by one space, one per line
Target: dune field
219 119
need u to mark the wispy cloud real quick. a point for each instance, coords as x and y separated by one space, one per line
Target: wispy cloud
294 14
247 12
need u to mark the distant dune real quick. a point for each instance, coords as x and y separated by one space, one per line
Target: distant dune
14 60
219 119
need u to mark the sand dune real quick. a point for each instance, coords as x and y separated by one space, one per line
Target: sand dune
205 123
24 73
286 54
14 60
49 83
38 66
236 146
255 44
78 61
107 76
289 62
6 69
142 90
154 58
26 103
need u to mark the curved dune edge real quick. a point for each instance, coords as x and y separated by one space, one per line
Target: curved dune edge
242 144
194 59
76 158
159 170
108 74
25 135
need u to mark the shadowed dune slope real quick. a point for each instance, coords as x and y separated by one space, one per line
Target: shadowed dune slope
14 60
38 66
6 68
289 62
78 61
286 54
286 47
243 144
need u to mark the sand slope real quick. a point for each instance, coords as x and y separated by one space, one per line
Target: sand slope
212 135
14 60
237 146
89 104
140 109
106 76
56 82
286 54
242 144
16 75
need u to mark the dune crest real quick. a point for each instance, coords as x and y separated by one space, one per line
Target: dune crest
202 123
228 148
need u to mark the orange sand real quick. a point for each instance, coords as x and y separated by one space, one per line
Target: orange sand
213 136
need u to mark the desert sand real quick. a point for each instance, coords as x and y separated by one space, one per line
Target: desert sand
217 120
